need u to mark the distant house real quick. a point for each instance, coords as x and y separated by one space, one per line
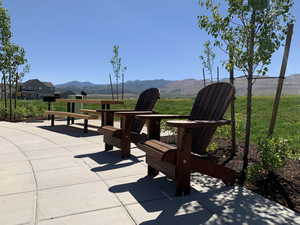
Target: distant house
36 89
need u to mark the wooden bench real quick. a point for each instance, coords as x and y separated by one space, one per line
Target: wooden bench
69 115
93 113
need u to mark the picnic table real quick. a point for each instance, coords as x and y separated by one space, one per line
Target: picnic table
105 104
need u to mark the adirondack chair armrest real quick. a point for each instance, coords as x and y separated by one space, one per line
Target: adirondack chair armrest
132 113
162 116
197 123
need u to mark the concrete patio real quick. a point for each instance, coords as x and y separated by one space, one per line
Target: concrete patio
60 176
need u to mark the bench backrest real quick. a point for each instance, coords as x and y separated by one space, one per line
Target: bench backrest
211 103
146 102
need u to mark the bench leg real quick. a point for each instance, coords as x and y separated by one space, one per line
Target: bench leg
73 111
49 109
68 120
102 116
52 120
85 126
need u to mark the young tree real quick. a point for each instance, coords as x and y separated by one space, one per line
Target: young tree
5 35
14 56
17 78
11 57
208 59
252 31
118 69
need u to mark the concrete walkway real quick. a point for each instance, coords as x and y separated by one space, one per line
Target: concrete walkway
59 176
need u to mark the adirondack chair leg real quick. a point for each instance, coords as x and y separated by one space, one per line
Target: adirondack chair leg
152 172
183 164
85 126
52 120
108 147
125 136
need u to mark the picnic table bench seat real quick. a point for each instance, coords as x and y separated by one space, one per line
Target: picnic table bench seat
94 114
69 115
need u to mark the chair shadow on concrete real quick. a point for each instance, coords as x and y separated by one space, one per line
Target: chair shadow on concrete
216 205
70 130
109 160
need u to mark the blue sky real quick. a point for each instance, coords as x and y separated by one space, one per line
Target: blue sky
72 39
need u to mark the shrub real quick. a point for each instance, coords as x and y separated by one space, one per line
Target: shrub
273 154
20 113
225 131
3 112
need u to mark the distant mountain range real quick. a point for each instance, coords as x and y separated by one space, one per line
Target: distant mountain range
187 87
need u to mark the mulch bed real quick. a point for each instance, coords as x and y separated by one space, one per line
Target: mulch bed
282 187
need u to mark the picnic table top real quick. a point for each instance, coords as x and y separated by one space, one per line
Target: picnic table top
90 101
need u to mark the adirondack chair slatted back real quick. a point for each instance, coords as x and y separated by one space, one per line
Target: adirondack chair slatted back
211 103
146 102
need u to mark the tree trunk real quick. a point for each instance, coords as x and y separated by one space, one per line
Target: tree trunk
249 98
117 87
16 91
232 111
10 96
2 89
204 82
5 91
122 86
111 87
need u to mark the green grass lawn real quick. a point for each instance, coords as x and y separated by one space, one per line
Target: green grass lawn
288 123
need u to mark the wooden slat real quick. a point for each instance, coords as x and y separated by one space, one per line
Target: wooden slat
90 111
197 123
113 110
163 116
67 114
133 113
89 101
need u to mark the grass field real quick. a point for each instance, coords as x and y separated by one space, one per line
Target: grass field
288 123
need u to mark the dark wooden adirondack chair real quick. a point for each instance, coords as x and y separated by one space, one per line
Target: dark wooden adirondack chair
130 126
193 137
